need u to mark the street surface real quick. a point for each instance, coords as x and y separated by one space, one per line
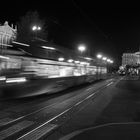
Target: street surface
118 103
55 116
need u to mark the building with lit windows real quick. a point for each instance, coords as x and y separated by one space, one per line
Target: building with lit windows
131 59
7 34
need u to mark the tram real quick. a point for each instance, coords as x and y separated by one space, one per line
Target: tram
29 70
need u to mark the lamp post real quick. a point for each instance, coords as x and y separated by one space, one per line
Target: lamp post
99 57
109 61
106 61
36 28
81 48
104 58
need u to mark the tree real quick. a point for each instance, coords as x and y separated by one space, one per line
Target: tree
25 32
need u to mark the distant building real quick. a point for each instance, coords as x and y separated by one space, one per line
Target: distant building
7 34
131 58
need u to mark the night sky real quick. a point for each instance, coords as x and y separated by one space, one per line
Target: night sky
111 31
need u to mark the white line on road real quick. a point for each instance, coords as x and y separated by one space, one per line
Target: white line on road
44 123
109 80
19 118
109 84
92 94
78 103
89 89
85 98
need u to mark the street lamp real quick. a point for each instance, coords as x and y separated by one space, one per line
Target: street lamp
111 62
99 56
81 48
104 58
108 60
36 28
39 28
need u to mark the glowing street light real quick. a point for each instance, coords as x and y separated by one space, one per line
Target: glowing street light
81 48
104 58
111 62
108 60
39 28
36 29
99 56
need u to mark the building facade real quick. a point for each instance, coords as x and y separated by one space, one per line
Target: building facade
131 59
7 34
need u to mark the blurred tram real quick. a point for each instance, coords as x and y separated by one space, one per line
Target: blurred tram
29 70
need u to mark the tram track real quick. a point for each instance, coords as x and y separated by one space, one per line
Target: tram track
89 93
37 106
30 134
35 110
